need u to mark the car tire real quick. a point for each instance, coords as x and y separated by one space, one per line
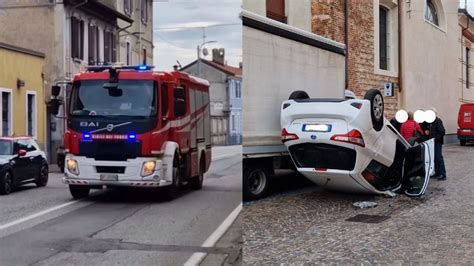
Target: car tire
172 191
79 191
196 182
256 181
462 142
298 95
6 183
42 178
376 108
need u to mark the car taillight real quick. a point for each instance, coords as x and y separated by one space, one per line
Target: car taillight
354 137
356 105
285 136
368 175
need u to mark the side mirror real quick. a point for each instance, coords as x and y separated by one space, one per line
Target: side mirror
179 107
21 153
55 90
115 92
54 105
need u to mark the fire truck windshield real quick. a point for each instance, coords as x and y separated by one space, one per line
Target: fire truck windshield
136 99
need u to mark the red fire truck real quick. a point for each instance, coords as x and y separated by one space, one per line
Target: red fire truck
130 126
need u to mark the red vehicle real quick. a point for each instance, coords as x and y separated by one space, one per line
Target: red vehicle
130 126
466 123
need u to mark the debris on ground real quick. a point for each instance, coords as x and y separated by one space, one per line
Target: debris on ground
364 204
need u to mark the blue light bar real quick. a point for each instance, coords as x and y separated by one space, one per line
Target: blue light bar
143 67
132 136
87 136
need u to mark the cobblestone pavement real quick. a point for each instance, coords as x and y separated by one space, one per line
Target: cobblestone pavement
309 225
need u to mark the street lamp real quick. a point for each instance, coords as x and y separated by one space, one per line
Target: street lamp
199 47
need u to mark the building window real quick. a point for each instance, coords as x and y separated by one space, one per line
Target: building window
129 53
93 45
31 113
276 10
431 13
467 67
383 38
144 11
233 123
128 7
6 102
110 49
144 56
77 38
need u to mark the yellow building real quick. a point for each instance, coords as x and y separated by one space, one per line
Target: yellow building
23 111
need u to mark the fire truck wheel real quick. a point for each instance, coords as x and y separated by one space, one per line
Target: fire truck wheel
172 191
196 182
78 192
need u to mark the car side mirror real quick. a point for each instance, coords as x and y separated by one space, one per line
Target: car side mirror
21 153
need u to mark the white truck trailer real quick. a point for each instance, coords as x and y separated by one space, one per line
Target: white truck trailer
279 59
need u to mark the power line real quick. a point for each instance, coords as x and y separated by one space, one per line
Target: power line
196 27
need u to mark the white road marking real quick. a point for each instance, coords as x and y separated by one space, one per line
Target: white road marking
36 215
197 257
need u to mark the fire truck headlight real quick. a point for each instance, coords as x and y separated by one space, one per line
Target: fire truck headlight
148 168
72 166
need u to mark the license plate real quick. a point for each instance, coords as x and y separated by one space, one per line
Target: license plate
106 177
317 128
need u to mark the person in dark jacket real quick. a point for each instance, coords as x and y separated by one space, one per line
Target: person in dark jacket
436 130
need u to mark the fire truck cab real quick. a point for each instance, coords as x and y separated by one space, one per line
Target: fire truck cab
130 126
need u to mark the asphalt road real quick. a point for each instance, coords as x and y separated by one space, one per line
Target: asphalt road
116 226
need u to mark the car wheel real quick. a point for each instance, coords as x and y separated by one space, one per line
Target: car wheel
376 108
462 142
298 95
256 182
196 182
172 191
42 179
6 183
78 191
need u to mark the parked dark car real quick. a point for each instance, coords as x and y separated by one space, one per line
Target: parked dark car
21 162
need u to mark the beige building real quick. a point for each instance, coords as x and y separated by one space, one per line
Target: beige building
72 34
466 22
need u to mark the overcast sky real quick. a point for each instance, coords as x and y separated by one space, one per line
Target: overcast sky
176 36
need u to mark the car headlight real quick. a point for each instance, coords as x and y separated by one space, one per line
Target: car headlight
72 166
148 168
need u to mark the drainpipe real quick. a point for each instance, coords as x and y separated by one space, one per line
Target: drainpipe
346 42
400 59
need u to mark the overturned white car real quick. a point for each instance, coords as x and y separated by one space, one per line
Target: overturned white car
348 145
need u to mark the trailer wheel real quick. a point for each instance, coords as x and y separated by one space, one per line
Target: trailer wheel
196 182
172 191
298 95
79 191
376 108
256 181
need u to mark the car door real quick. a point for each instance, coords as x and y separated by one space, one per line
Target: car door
418 167
22 165
35 156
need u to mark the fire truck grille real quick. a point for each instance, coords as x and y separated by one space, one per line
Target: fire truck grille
112 151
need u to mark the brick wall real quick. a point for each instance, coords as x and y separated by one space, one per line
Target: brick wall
328 21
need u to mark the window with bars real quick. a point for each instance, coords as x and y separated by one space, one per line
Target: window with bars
383 38
77 38
128 7
110 49
144 11
467 67
93 45
276 10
